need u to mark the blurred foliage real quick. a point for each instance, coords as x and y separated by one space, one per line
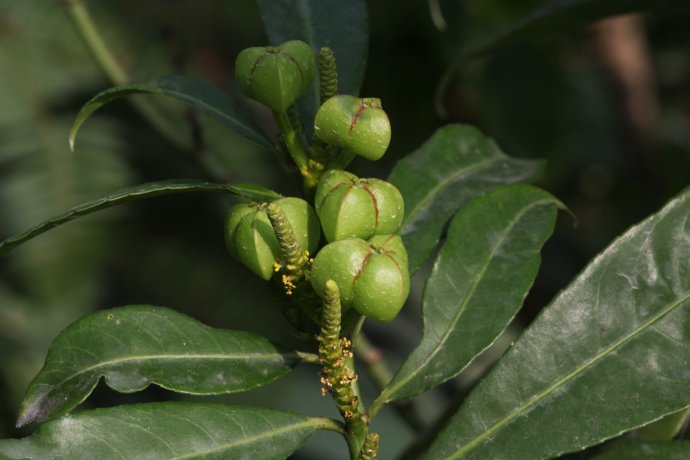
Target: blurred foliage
552 97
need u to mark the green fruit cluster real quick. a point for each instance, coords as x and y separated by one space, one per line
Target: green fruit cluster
365 256
360 217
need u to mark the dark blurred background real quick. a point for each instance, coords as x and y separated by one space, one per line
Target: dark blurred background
607 105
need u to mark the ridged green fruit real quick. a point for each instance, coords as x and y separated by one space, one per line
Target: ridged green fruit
372 276
251 240
350 207
276 76
357 125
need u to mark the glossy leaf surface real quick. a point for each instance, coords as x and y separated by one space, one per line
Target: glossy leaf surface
672 450
457 163
609 354
342 26
196 93
151 189
166 431
478 283
134 346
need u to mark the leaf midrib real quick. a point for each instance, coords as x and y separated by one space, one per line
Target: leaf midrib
122 196
220 114
444 183
469 297
196 356
567 378
247 440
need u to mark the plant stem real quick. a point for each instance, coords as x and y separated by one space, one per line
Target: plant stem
330 425
118 75
82 18
371 357
307 357
293 143
381 374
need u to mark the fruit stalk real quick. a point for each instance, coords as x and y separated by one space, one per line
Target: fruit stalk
293 144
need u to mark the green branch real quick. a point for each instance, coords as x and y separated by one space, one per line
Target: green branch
117 74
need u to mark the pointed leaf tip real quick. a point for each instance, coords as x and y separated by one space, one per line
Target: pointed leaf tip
132 347
457 163
610 351
166 431
495 240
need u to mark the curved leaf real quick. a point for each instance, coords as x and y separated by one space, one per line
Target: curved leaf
672 450
196 93
151 189
253 192
167 431
342 26
454 165
478 283
664 429
609 354
134 346
551 17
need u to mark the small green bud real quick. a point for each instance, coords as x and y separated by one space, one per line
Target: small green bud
350 207
250 238
373 276
276 76
357 125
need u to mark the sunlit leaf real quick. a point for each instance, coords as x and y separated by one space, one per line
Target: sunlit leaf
167 431
478 283
132 347
609 354
454 165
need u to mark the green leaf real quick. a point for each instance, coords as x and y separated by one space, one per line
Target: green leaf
609 354
167 431
672 450
478 283
134 346
664 429
198 94
551 17
151 189
342 26
454 165
253 192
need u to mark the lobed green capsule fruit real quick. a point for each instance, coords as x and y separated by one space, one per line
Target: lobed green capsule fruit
372 276
276 76
350 207
357 125
251 240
